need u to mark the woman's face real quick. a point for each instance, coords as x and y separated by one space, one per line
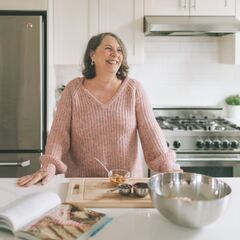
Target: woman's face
108 56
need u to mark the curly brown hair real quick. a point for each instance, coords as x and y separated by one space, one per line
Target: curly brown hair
89 69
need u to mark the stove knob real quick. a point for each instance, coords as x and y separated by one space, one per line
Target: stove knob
225 144
200 143
208 143
217 143
177 144
234 144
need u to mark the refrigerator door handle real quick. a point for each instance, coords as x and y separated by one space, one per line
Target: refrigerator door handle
23 163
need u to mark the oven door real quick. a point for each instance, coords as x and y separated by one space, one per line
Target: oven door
213 167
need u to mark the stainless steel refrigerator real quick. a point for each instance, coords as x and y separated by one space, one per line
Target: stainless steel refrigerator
22 91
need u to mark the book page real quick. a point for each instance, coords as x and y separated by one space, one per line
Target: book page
66 222
24 210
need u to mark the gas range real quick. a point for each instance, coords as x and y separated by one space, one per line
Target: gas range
199 131
205 142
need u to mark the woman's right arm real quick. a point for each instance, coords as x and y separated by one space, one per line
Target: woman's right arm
58 143
158 156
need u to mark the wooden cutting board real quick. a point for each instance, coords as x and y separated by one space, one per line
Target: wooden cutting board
94 193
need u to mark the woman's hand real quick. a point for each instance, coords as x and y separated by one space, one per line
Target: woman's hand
176 168
39 176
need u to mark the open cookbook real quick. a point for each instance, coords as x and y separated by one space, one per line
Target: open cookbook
43 216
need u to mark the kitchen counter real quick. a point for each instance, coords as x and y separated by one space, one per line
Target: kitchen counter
139 224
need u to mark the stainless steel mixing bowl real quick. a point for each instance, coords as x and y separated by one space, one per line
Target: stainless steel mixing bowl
189 199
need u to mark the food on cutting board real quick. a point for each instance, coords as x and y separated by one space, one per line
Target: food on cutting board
118 176
117 179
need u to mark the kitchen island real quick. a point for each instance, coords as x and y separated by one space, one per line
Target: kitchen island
137 223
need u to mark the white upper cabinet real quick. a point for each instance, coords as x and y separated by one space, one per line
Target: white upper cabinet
23 4
75 21
125 19
167 7
190 7
212 7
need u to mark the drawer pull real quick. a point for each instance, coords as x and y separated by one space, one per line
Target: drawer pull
23 163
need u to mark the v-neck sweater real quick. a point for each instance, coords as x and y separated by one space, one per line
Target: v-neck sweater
85 128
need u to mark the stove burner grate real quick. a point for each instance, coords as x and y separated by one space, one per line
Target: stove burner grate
196 124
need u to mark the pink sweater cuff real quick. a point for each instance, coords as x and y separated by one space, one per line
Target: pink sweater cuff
51 168
164 163
51 163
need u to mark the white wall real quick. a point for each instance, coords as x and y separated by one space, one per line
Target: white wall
178 71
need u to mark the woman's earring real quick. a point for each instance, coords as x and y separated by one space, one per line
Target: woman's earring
92 63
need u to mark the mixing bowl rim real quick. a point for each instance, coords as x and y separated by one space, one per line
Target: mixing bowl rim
192 200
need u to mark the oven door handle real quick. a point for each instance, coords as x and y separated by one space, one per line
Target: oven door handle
23 163
208 159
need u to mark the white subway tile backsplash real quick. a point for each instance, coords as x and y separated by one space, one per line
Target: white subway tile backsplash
204 57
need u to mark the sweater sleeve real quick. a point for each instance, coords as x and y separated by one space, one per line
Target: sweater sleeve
58 142
157 155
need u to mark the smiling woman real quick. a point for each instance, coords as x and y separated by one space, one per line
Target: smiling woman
112 48
100 116
105 55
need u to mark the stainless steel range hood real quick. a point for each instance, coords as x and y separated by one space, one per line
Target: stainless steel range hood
190 26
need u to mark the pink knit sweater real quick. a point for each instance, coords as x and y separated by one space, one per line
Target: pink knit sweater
85 128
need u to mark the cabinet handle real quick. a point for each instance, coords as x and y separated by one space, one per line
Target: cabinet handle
23 163
225 3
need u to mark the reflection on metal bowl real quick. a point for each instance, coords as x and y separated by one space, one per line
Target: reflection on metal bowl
189 199
140 189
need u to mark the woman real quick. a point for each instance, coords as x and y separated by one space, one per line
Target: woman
99 116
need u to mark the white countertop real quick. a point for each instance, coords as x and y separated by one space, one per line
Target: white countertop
139 224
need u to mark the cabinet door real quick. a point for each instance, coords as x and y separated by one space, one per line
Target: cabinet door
212 8
192 7
125 19
23 5
167 7
75 21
